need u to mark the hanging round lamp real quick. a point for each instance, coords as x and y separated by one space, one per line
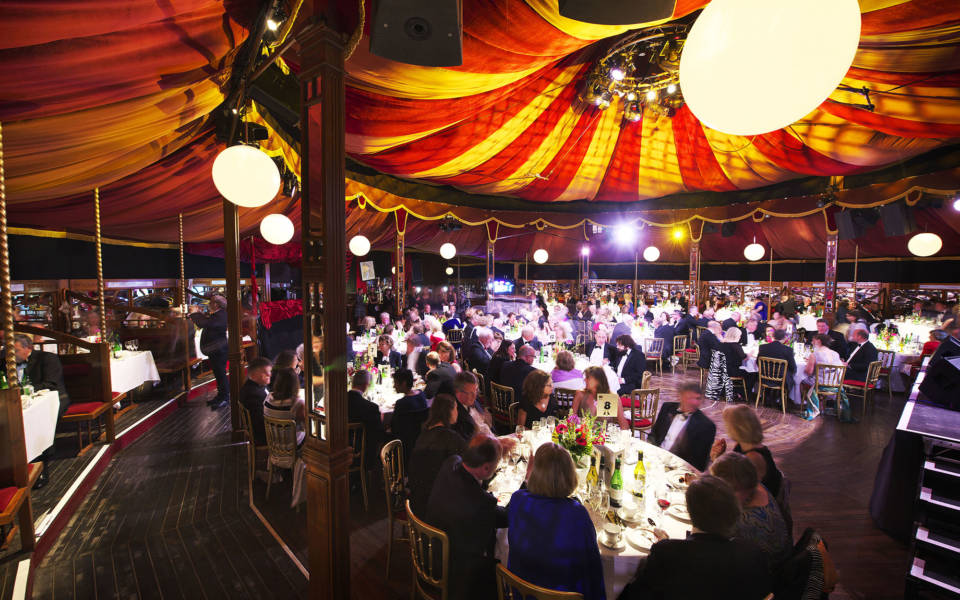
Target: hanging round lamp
449 271
359 245
540 256
448 250
754 251
651 254
246 176
925 244
276 229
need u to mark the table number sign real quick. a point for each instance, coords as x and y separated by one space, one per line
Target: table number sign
607 405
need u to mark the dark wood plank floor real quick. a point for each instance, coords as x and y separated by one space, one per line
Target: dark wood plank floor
169 518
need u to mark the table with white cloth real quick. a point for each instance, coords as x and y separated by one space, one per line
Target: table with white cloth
581 363
662 481
40 413
808 321
131 370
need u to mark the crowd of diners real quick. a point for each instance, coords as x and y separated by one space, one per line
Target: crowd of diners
742 543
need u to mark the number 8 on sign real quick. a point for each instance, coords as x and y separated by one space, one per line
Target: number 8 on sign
607 405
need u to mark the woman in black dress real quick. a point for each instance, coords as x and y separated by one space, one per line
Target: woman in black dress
436 443
536 399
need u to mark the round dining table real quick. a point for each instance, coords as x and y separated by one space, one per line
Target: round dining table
665 475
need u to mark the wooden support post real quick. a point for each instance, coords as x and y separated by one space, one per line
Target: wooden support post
326 451
856 265
231 257
183 279
400 274
101 298
830 275
694 274
491 268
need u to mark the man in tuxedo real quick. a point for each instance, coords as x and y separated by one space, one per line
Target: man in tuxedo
471 417
732 321
416 357
386 355
837 343
252 394
476 350
45 372
862 353
708 342
683 430
440 376
469 515
514 372
708 563
643 313
631 365
610 353
528 337
752 333
363 411
777 349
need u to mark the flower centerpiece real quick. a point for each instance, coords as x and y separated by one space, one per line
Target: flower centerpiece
578 435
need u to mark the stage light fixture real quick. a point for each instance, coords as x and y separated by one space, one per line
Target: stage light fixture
651 95
359 245
677 233
625 234
617 74
585 251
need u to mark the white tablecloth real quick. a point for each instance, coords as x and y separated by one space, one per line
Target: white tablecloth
619 566
40 421
131 370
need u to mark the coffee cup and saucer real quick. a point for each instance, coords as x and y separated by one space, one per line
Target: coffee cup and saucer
611 536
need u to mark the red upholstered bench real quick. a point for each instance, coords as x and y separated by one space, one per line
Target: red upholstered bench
856 383
14 500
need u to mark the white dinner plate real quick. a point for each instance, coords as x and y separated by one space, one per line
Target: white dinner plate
631 516
676 478
679 512
641 539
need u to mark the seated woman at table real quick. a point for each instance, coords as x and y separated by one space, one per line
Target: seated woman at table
286 359
410 411
448 355
565 374
743 426
506 353
434 331
563 333
768 332
553 542
285 403
585 401
536 398
437 442
760 519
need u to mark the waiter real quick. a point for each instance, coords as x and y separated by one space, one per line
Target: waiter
213 343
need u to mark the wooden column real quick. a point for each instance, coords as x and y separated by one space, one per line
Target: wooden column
231 245
401 276
694 274
856 266
326 452
101 298
183 278
830 275
6 295
491 271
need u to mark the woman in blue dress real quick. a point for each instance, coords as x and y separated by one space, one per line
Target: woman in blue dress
553 542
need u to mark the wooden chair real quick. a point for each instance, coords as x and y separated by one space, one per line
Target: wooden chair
743 384
679 348
512 587
15 504
455 337
864 389
643 410
501 397
515 413
88 413
246 420
691 355
886 358
394 476
281 445
430 556
828 381
357 438
645 381
773 376
482 390
654 352
564 400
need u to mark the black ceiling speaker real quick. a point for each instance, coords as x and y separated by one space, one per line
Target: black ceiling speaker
897 220
846 227
617 12
418 32
728 229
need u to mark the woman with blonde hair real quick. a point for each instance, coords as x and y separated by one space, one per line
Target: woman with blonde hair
568 559
743 426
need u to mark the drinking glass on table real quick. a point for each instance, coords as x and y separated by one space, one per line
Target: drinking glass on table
551 422
536 427
519 432
663 501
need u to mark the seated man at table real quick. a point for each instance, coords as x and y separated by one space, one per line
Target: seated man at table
631 365
367 413
683 430
471 417
708 564
513 373
386 355
528 337
254 391
837 343
440 375
776 349
470 517
862 353
476 350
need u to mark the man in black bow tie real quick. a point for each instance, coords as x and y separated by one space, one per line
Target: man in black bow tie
683 430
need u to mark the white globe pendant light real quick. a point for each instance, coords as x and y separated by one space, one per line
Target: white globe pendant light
925 244
754 251
651 254
276 229
359 245
448 250
246 176
754 66
449 271
540 256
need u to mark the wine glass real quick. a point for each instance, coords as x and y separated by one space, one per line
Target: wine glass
536 427
519 432
663 502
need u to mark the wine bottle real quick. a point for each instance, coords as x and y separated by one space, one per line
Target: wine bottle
593 478
616 485
639 477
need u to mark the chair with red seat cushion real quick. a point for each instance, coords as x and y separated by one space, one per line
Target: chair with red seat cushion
643 410
88 412
15 501
864 389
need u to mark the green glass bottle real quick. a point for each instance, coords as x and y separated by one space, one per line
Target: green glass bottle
593 478
616 485
639 477
3 382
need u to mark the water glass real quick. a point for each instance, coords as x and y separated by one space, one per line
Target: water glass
543 423
536 427
551 422
519 432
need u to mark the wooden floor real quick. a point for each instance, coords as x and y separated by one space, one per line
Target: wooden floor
169 518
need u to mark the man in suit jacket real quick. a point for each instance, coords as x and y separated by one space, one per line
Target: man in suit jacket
528 337
752 332
776 349
363 411
624 327
732 321
42 368
683 430
416 357
470 517
213 343
471 417
708 563
631 365
476 350
386 355
514 372
862 353
838 343
440 376
610 353
252 394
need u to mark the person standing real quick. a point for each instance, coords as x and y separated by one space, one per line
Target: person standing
213 343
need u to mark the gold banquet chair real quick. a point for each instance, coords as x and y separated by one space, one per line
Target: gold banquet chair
654 352
773 376
281 445
887 358
512 587
564 400
430 557
501 397
828 381
357 439
864 389
643 410
394 477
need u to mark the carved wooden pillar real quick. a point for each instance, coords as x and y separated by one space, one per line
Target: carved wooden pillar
183 278
101 298
493 229
694 274
830 275
401 220
584 271
326 452
231 258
